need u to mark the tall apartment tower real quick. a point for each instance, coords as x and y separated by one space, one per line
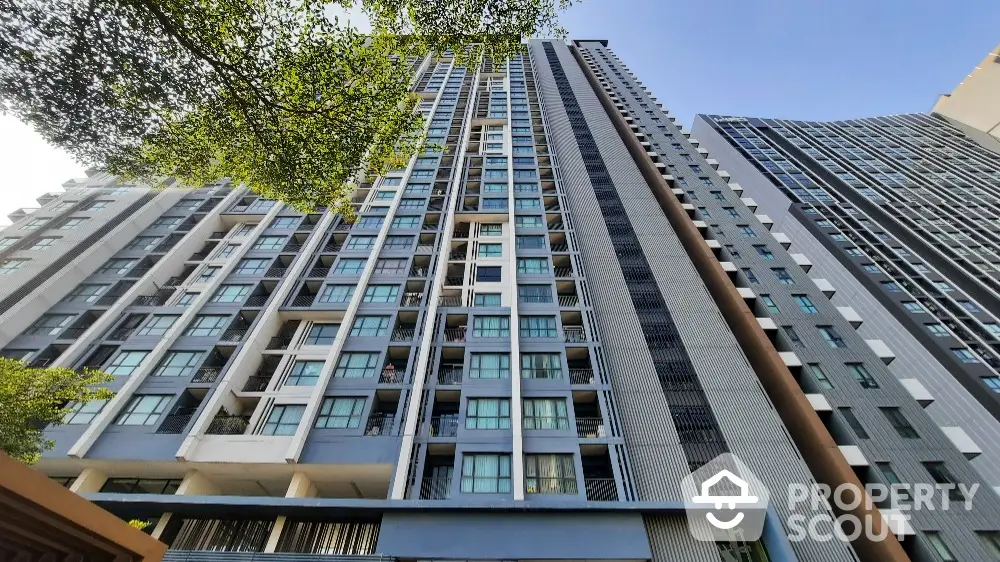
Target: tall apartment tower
903 213
516 352
973 104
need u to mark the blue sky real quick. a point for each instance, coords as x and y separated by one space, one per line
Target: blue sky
797 59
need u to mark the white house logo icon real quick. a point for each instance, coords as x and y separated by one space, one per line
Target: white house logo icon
731 501
723 500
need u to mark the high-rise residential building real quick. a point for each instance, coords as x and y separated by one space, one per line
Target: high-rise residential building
517 351
973 104
902 212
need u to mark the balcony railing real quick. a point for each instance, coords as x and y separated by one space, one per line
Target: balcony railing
564 272
279 342
450 300
217 234
392 375
601 489
581 376
534 299
257 383
454 335
73 333
435 489
343 227
458 255
329 248
276 272
138 272
206 375
292 248
454 281
380 423
257 300
590 428
234 335
443 426
107 300
574 334
403 334
148 300
302 300
319 272
450 376
424 248
121 334
569 300
550 485
228 425
174 423
411 299
560 247
418 272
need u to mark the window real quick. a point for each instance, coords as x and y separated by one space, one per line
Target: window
10 266
283 420
141 486
359 242
95 206
891 287
970 306
7 242
488 274
157 325
34 223
490 250
763 252
831 337
545 413
937 330
751 278
231 293
805 303
522 203
412 204
526 188
322 334
488 413
227 250
820 376
943 287
527 222
385 195
852 421
178 364
491 230
892 478
541 366
941 475
494 204
487 299
80 413
380 293
251 266
900 423
494 188
45 243
356 365
187 298
350 266
491 327
853 252
965 356
143 409
284 223
783 277
49 324
549 474
269 243
860 374
142 243
370 326
370 222
914 307
304 373
538 327
485 474
770 304
207 273
398 242
534 293
116 266
991 542
870 268
943 552
747 231
71 224
86 293
390 266
792 336
406 222
533 266
993 328
206 325
340 413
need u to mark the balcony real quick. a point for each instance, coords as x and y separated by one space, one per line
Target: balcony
276 272
418 272
279 342
319 273
435 488
174 423
73 333
138 272
380 423
403 334
569 300
453 281
107 300
257 382
454 335
574 334
581 376
564 272
391 375
444 426
228 425
411 299
206 375
292 248
149 300
450 376
121 334
601 489
450 300
256 300
234 335
302 301
590 428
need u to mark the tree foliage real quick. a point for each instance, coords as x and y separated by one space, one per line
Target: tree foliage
31 399
270 93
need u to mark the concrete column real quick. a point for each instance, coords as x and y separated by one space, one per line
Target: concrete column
89 481
197 484
299 487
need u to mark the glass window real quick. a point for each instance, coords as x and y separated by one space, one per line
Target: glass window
269 243
490 250
852 421
86 293
494 204
485 474
322 334
914 307
178 364
792 336
207 273
80 413
831 337
370 326
488 413
943 552
283 420
941 475
206 325
747 231
900 423
805 303
783 276
71 224
163 486
860 374
231 293
143 409
541 366
381 293
356 365
489 366
117 266
285 222
550 474
10 266
538 327
390 266
765 253
142 243
406 222
95 206
534 293
304 373
820 376
522 203
772 307
7 242
359 242
487 299
398 242
251 266
157 325
370 222
521 221
545 413
49 324
350 266
488 274
530 242
340 413
187 298
965 356
749 274
491 327
533 266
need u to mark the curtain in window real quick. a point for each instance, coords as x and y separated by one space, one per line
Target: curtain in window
550 474
545 414
486 474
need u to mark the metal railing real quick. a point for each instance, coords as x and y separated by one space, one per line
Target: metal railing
174 423
569 300
206 375
424 249
107 300
454 335
455 281
563 272
257 300
450 376
137 272
574 334
228 425
217 234
550 485
443 426
601 489
411 299
393 375
532 299
121 334
319 272
403 334
435 488
450 300
560 247
73 333
279 342
590 428
302 300
344 226
148 300
542 373
581 376
290 248
332 248
275 272
234 335
458 255
257 383
380 423
418 272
